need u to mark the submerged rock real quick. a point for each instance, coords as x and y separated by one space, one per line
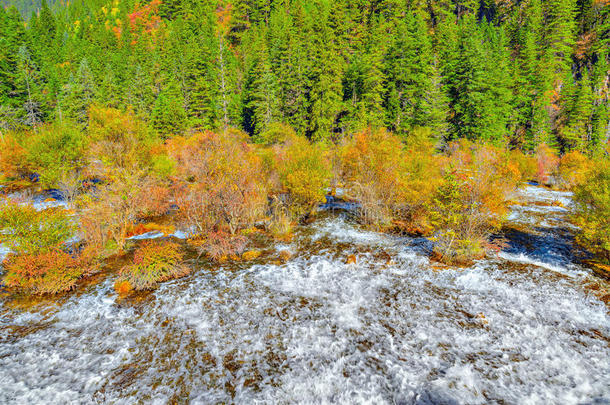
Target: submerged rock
285 255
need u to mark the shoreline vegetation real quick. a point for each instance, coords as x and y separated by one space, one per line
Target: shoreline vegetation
228 122
222 189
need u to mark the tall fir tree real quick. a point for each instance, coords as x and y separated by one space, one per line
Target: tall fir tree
28 89
78 95
168 116
261 97
327 70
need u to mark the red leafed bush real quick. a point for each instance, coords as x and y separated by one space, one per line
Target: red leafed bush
153 263
220 244
48 272
220 182
108 215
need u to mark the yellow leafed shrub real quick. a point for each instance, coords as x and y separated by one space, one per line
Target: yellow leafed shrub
592 212
153 263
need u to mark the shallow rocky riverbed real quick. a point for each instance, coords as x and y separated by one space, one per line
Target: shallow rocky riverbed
527 326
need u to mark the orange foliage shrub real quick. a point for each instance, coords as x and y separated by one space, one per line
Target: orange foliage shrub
220 183
122 287
372 166
547 164
48 272
153 263
526 164
142 228
220 244
12 158
107 215
489 172
393 183
38 262
574 168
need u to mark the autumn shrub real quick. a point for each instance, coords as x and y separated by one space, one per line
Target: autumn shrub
12 158
28 230
220 183
47 272
592 211
108 213
147 227
303 172
574 169
422 176
547 164
118 140
54 150
526 164
219 244
281 223
39 261
372 167
153 263
392 182
44 153
471 203
460 232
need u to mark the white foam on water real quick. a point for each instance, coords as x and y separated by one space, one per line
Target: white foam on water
540 194
147 235
338 230
4 251
524 259
44 205
156 235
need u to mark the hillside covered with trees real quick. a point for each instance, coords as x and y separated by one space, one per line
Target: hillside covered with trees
504 72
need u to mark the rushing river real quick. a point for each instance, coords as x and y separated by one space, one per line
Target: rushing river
525 327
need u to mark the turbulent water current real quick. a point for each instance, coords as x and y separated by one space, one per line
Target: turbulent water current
524 327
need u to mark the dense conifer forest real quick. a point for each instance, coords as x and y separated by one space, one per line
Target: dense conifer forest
505 72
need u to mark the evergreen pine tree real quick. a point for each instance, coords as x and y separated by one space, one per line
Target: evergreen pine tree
325 97
168 115
28 85
78 95
262 108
